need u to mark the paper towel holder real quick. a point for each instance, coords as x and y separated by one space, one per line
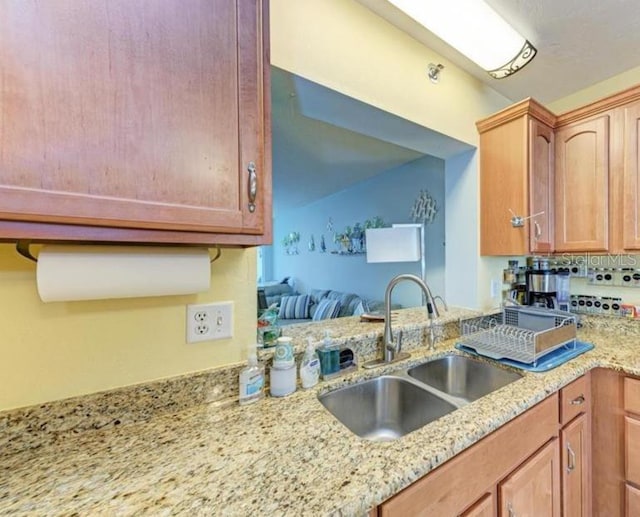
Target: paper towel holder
22 247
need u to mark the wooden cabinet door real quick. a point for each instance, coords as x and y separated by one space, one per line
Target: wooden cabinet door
132 114
632 446
632 395
582 186
541 186
631 178
575 451
534 488
503 188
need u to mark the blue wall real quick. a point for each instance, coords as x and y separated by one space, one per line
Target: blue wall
389 195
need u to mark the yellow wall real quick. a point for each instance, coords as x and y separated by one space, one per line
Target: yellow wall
597 91
56 350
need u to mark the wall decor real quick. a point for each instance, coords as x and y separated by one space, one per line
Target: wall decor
290 243
353 239
312 244
424 208
323 246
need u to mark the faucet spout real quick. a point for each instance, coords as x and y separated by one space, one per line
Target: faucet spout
393 347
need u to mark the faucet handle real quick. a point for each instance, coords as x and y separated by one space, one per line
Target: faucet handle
438 297
395 345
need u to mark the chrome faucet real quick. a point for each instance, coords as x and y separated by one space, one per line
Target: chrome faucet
393 348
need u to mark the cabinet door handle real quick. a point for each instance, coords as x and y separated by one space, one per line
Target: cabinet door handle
537 232
253 186
578 401
571 459
510 510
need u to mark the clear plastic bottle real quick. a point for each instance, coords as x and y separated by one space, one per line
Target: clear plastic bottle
251 379
310 366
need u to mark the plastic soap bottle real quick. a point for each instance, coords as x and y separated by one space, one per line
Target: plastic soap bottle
251 379
309 366
329 356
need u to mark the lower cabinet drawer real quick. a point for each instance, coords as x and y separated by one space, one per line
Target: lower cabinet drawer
575 398
632 439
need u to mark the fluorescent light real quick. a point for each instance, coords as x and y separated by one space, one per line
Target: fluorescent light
475 30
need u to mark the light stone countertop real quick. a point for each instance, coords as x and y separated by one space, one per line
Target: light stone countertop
276 457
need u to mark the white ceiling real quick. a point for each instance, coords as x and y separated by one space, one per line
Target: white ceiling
579 43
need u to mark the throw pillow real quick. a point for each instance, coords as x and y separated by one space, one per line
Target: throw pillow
361 308
294 307
327 309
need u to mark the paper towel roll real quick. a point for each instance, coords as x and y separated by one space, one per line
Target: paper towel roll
66 273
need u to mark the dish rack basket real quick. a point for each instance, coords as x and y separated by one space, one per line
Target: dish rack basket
522 334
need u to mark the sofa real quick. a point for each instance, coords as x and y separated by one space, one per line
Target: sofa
316 305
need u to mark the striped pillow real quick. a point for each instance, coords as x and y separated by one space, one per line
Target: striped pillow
294 307
327 309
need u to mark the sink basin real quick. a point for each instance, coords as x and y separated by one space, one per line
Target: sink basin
463 377
385 408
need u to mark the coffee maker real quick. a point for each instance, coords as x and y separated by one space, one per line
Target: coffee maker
541 288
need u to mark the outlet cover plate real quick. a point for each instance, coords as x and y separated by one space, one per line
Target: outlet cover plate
209 321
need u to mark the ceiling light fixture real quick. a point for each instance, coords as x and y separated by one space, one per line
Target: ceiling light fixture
474 29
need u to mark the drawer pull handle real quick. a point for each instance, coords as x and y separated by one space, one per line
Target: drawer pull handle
253 186
571 459
510 510
578 401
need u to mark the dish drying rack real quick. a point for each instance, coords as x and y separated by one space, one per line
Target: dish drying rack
522 334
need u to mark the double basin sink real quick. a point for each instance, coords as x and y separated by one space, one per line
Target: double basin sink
390 406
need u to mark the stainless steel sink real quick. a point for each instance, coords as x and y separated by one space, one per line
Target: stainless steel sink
463 377
390 406
385 408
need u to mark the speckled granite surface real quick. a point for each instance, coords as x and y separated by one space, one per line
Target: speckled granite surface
277 457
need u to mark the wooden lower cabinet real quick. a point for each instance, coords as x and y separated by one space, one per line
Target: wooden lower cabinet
462 484
632 445
537 465
632 395
534 488
632 497
607 438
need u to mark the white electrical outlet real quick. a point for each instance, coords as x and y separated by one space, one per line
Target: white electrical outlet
495 287
209 321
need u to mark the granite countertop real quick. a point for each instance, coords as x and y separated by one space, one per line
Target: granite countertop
276 457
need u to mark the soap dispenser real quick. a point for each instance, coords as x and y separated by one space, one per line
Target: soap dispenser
329 357
309 366
251 379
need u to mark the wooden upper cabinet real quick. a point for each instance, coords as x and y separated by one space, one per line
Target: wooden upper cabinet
541 186
131 120
582 186
516 175
631 178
